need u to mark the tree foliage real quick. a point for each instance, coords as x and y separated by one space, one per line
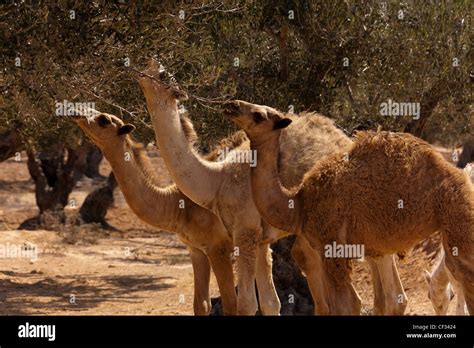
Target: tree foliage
342 58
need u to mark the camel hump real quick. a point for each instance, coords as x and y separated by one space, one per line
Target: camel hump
389 140
398 147
229 143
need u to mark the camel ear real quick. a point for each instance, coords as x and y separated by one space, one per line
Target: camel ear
283 123
427 276
125 129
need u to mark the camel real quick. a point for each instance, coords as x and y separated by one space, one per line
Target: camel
224 188
167 208
441 283
389 191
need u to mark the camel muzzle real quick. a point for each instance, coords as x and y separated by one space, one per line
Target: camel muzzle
231 108
73 118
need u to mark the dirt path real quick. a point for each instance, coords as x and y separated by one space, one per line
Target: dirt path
133 275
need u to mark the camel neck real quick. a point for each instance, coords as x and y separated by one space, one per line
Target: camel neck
278 206
198 179
156 206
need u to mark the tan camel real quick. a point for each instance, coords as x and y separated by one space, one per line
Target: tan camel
224 188
389 192
441 292
167 208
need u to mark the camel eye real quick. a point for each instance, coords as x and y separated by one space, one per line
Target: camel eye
103 121
257 117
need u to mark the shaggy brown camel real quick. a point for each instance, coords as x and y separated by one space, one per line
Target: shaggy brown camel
441 292
389 192
167 208
389 295
224 188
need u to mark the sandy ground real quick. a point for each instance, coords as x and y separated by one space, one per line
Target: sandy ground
135 270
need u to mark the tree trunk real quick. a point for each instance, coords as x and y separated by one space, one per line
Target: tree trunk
94 157
429 101
97 203
55 174
10 144
283 46
290 283
467 154
427 107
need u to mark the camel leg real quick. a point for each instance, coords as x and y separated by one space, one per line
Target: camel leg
400 294
394 294
461 303
309 262
246 243
202 276
457 237
460 265
461 308
343 298
222 267
267 295
440 291
457 222
379 298
462 273
346 300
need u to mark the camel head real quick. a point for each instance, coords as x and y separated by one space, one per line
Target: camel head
156 82
255 120
104 129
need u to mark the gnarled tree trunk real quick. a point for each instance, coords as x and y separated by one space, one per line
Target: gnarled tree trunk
429 101
10 144
55 174
94 157
467 154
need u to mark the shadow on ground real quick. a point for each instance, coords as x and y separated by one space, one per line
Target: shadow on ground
38 293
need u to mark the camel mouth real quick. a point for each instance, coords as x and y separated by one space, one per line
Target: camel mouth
231 109
74 118
77 118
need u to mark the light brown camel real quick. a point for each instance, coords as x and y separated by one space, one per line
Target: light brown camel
224 188
167 208
443 287
389 192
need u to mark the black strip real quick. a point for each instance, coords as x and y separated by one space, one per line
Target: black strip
243 331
